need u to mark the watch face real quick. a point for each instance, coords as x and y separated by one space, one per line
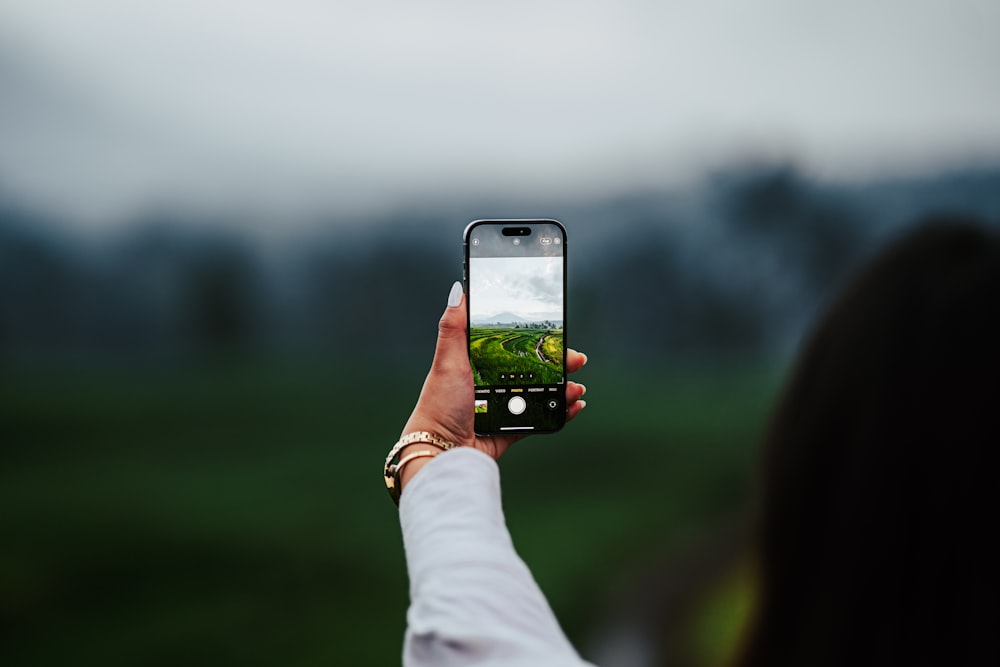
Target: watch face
389 472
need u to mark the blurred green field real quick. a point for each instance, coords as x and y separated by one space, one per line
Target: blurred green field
237 514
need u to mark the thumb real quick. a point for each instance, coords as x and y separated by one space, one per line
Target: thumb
452 337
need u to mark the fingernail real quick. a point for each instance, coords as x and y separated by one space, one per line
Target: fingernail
455 297
583 387
585 358
582 403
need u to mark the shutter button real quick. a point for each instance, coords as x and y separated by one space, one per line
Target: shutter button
516 405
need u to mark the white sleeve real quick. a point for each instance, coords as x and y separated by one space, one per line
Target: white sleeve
473 601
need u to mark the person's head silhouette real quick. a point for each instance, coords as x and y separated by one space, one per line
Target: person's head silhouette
878 499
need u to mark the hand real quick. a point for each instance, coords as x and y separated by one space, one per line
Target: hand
446 403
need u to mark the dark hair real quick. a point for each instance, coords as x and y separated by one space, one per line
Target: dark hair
878 505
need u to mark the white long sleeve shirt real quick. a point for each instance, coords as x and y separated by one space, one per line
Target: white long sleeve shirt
473 601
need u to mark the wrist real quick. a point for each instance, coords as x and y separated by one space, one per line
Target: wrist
410 453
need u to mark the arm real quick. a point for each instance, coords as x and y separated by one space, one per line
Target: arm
473 600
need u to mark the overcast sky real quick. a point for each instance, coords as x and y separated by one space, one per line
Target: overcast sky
108 107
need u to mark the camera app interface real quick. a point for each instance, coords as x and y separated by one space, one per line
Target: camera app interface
516 293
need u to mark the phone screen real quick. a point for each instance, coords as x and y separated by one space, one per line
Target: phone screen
516 296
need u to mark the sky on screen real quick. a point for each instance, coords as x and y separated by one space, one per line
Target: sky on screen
530 287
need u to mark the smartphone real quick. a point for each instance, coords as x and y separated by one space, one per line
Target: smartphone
515 287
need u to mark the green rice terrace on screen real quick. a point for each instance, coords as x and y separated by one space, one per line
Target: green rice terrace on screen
517 354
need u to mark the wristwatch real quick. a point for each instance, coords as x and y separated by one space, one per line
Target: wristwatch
394 465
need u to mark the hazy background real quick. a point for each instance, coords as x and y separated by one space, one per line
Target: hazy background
301 107
227 231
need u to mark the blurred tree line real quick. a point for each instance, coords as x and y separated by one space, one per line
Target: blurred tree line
736 264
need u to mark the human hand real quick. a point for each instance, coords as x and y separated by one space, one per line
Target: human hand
446 403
